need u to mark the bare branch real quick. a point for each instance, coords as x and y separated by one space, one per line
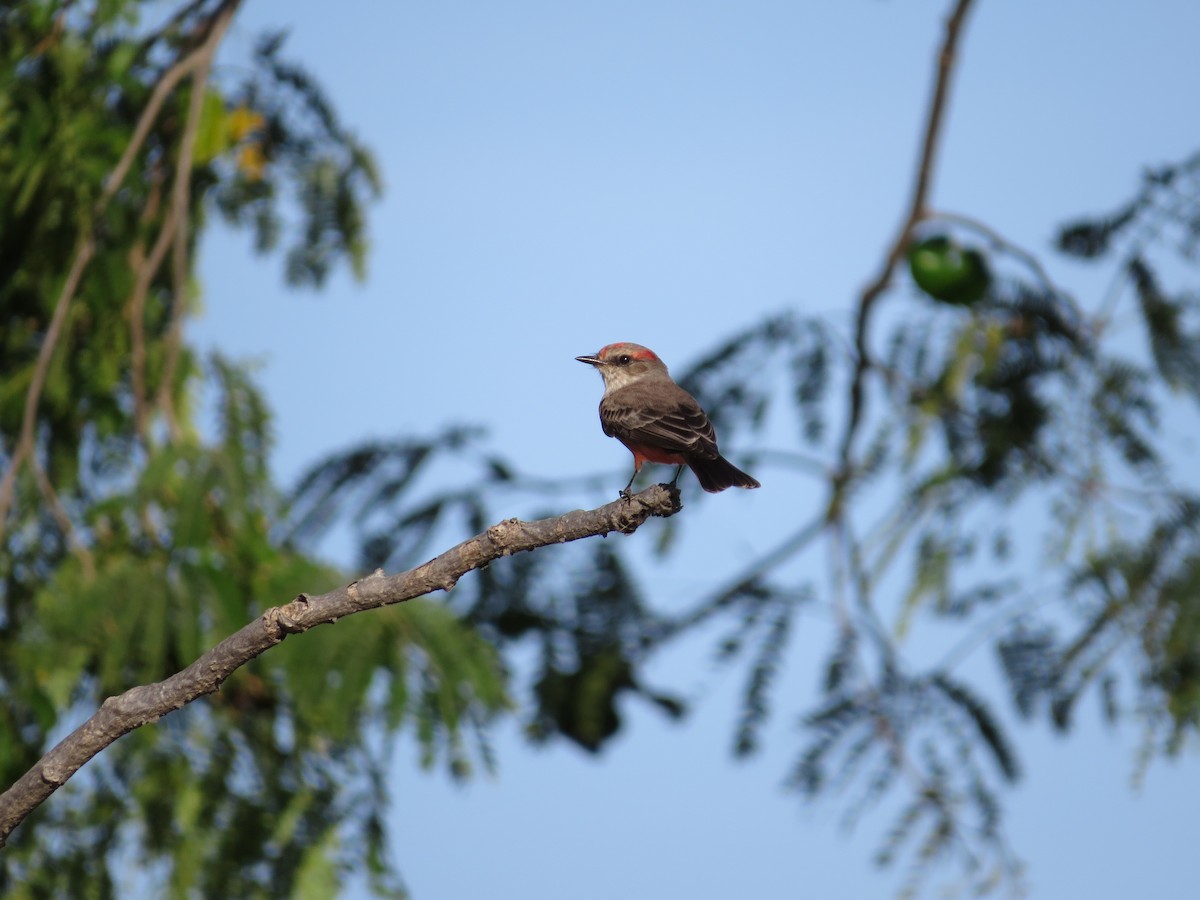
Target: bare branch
179 282
143 275
174 228
141 705
916 210
24 446
180 196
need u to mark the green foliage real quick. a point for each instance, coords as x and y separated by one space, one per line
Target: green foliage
581 705
132 543
298 135
1162 213
368 486
734 382
151 542
579 604
186 558
924 736
1092 239
1146 589
989 386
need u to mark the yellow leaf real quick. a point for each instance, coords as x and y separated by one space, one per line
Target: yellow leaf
243 121
252 161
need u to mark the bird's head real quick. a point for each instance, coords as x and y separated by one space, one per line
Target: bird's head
623 363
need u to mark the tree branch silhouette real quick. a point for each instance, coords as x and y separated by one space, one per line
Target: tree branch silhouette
144 704
916 212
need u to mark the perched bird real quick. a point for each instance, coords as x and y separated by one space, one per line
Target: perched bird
657 420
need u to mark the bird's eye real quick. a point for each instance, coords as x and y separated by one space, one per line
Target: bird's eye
623 360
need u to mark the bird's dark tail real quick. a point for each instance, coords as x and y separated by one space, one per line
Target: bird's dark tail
717 474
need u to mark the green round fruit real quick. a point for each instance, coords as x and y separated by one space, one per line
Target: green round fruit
949 272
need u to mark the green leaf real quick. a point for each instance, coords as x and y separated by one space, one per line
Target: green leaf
213 131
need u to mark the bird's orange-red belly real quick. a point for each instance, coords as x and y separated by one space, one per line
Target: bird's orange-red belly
643 453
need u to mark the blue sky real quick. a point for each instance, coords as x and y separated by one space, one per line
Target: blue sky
561 176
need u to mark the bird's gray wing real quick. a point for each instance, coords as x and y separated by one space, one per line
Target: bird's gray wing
668 419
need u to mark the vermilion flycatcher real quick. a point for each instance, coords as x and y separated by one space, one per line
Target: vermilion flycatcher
657 420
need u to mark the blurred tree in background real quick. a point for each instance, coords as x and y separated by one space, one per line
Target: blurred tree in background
134 539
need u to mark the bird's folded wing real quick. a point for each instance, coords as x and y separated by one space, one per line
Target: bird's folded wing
680 428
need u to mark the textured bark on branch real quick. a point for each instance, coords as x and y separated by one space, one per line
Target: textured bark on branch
141 705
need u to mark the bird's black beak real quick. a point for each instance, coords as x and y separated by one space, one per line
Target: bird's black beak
591 360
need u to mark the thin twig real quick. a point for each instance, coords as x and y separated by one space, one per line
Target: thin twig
144 275
795 459
174 228
142 705
916 209
169 27
55 32
138 264
65 525
180 202
862 589
24 446
1023 604
892 732
167 83
179 286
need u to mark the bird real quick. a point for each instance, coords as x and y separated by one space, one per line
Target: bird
657 420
